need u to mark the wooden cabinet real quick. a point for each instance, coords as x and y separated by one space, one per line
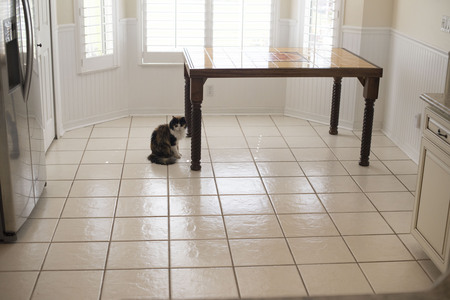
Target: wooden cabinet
431 218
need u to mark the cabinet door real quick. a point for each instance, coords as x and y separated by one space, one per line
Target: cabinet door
433 200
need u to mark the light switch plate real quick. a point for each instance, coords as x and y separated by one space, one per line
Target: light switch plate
445 24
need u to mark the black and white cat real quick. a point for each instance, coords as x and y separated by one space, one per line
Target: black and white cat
164 141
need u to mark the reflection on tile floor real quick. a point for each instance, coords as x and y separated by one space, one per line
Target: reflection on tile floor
279 209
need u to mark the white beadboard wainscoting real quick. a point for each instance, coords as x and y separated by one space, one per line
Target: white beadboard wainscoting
414 69
87 98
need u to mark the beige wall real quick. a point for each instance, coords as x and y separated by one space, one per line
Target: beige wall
418 19
286 9
65 14
129 8
368 13
64 10
421 20
353 12
377 13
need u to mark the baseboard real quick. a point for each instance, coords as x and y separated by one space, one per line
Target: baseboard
316 118
95 120
409 150
243 110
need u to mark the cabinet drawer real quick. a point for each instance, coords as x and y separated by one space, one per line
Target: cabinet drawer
437 129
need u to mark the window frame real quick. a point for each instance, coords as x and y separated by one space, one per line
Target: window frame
338 23
97 63
176 57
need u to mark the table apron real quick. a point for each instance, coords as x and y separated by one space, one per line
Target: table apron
223 73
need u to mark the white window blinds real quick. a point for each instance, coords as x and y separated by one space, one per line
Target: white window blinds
242 23
173 24
320 24
97 34
168 26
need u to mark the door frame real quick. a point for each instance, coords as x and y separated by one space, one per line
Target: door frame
59 129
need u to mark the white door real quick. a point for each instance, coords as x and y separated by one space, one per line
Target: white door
45 67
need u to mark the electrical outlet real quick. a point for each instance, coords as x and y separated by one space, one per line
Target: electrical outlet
445 24
210 90
418 118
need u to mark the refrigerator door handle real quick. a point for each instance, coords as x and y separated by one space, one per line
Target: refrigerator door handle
29 35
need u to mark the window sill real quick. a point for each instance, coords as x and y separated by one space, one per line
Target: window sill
160 64
88 72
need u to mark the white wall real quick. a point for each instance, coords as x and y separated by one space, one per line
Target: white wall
89 98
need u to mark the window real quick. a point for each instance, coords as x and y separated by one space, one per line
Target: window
170 25
167 26
321 24
238 23
97 35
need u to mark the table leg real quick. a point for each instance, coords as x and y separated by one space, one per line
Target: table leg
187 103
366 139
370 94
196 122
335 104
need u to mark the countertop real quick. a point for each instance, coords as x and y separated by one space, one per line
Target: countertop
438 101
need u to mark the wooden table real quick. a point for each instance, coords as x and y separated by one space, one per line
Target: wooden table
203 63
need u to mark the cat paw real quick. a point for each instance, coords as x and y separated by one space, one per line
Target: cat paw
177 156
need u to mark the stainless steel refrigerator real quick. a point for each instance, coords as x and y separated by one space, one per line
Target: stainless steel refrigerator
22 154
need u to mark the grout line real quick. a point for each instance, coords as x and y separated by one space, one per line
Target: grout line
275 212
328 214
60 215
115 212
335 225
223 218
395 233
169 216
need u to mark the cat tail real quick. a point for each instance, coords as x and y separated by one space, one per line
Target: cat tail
162 160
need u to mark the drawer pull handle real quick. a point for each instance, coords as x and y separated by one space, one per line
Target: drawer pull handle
442 134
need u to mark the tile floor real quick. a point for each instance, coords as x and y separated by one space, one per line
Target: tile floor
280 208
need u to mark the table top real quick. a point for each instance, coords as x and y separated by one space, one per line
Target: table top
276 62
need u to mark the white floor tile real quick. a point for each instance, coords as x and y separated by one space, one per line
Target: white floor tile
278 198
61 284
334 279
395 277
270 281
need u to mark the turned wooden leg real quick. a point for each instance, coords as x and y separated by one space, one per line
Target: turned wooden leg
366 139
196 140
196 121
187 103
335 104
370 92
